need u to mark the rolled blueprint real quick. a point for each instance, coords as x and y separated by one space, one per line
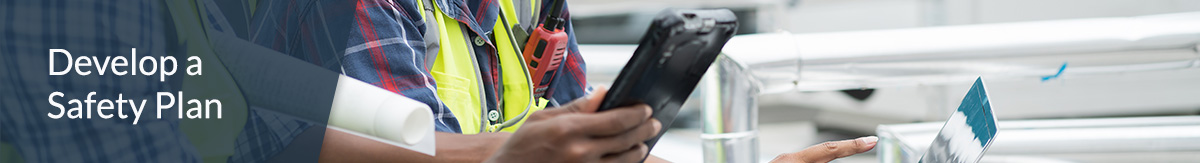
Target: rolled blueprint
270 80
370 110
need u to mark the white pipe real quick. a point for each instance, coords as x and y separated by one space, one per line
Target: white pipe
730 113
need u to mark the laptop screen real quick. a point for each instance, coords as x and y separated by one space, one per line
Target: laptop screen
967 133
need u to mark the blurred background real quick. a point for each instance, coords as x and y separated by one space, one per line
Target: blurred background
1070 80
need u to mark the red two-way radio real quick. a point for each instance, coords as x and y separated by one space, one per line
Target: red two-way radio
544 50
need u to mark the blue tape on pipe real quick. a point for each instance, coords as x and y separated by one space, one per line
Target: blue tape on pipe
1060 71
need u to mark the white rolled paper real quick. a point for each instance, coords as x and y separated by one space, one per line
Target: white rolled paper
373 111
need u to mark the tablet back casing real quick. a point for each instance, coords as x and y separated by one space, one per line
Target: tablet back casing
669 61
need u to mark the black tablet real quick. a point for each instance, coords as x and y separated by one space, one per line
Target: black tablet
669 61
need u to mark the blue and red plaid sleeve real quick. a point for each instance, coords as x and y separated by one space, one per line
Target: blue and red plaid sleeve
386 48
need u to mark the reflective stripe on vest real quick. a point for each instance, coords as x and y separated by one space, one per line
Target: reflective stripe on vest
516 84
455 71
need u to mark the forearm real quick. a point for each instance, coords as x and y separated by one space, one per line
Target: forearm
452 147
343 147
339 146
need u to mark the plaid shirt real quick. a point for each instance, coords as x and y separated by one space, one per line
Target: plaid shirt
386 48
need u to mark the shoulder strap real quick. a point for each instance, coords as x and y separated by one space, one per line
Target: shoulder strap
432 31
525 13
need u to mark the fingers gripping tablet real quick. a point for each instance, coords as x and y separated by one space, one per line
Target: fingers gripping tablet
672 56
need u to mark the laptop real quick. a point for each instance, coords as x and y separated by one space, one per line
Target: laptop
968 132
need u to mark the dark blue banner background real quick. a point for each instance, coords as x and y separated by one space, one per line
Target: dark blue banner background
272 64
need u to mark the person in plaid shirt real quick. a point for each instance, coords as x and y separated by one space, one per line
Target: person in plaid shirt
265 136
382 49
387 48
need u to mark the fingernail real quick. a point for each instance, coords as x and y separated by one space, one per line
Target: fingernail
649 112
869 139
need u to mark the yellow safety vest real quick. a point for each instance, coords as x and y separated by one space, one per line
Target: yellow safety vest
457 74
